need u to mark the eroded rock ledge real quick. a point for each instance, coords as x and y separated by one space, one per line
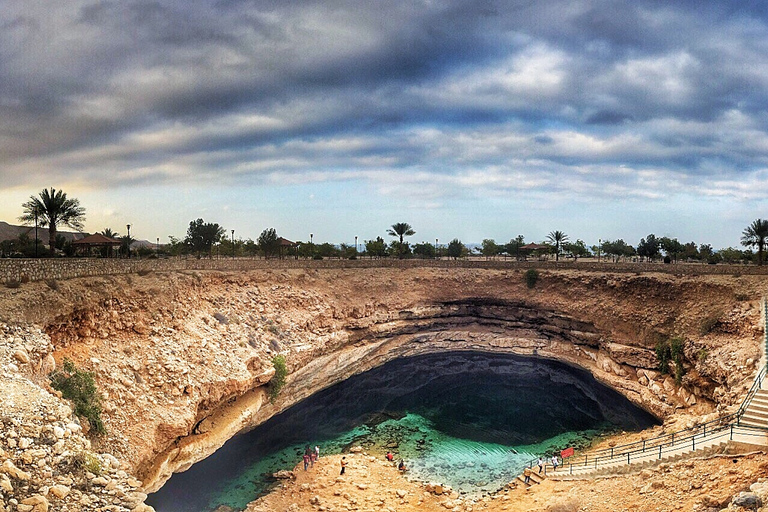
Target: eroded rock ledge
182 358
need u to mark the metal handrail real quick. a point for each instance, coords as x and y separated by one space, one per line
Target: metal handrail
716 425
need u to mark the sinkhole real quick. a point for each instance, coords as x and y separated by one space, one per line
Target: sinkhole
470 420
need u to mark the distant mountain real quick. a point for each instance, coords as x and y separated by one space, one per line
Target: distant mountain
11 232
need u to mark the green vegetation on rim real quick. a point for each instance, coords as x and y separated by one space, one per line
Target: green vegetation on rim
79 387
531 277
278 380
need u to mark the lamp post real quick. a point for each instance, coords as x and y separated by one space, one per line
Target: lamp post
233 243
157 247
599 244
437 256
355 245
311 245
128 242
35 232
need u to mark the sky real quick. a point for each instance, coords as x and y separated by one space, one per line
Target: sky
468 119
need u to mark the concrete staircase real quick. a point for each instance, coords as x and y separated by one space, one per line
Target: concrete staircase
703 448
536 478
756 414
746 429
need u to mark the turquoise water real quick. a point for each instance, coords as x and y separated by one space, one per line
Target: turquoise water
470 467
468 420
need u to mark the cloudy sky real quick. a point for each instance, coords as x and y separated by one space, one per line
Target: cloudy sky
466 118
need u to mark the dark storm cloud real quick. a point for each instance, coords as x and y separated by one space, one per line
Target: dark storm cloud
547 92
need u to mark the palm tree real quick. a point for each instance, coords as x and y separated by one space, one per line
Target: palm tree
558 238
107 232
401 229
755 235
52 208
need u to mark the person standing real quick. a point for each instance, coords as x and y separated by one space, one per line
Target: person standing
527 474
343 465
554 462
306 461
541 464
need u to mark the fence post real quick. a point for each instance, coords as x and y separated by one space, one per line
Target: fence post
643 444
693 441
611 452
731 431
627 457
659 452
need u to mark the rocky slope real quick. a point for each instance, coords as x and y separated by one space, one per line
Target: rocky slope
182 358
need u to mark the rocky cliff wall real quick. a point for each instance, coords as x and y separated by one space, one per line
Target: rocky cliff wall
182 357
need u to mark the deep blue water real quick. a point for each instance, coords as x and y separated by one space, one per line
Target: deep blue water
469 420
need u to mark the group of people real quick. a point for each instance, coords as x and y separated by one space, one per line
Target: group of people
528 471
401 465
310 456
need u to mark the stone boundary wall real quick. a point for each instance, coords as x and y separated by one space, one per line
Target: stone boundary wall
24 270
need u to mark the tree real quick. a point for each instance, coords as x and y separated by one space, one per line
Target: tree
691 251
649 247
514 245
401 229
576 249
557 238
51 209
671 247
754 236
489 248
268 242
731 255
456 248
424 250
201 236
398 249
376 248
617 249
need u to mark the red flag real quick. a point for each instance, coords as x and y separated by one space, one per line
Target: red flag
567 452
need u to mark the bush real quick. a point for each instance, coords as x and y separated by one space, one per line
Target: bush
13 284
278 380
317 257
676 349
663 355
52 284
671 350
79 386
86 461
531 277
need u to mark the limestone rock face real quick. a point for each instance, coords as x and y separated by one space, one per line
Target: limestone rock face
182 359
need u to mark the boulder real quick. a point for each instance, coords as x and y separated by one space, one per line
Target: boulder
748 500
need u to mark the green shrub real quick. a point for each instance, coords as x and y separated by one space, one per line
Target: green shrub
702 354
531 277
676 350
13 284
663 355
78 385
278 380
671 350
86 461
